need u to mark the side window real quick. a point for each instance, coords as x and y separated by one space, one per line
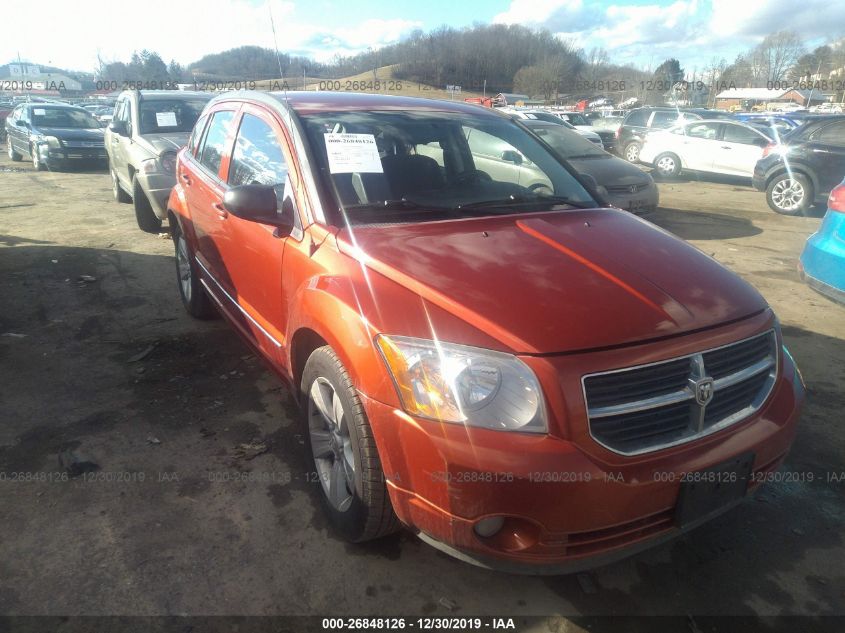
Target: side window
257 158
833 134
739 134
706 131
211 153
194 141
486 145
637 117
664 119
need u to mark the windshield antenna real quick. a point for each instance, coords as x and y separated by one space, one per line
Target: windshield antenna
276 48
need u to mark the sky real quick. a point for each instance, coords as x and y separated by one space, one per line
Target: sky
643 32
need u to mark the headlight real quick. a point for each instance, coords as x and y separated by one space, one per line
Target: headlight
50 141
467 385
166 163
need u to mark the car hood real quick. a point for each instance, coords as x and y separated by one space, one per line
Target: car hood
610 171
159 143
557 281
72 134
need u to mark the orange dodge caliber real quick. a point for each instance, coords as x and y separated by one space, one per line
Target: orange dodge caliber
482 352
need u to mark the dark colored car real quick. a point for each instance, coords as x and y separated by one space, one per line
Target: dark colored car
805 167
624 185
53 135
639 121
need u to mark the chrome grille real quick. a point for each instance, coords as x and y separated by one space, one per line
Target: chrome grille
84 144
650 407
627 188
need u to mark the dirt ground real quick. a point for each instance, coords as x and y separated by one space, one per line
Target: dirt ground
98 356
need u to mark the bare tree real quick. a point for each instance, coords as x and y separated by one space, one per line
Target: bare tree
773 58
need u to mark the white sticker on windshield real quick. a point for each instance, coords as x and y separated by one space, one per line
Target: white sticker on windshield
39 111
350 153
166 119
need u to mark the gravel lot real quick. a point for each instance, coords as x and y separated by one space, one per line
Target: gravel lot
97 355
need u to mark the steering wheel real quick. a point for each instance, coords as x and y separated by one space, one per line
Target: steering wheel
472 175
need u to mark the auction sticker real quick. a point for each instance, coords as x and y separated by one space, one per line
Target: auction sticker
39 111
166 119
351 153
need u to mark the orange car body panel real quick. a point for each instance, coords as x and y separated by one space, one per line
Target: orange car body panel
570 293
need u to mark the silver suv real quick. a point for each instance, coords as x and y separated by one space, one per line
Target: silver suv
147 130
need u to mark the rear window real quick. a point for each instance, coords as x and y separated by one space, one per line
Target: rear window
665 119
160 116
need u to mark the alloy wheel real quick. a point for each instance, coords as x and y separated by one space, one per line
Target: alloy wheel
666 166
788 194
183 264
632 153
331 444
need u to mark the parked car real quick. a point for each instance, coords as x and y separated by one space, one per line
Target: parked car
622 184
639 121
804 168
789 107
822 263
520 378
707 146
545 115
146 131
104 114
827 108
53 135
772 125
581 122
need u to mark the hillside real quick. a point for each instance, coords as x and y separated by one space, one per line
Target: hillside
379 81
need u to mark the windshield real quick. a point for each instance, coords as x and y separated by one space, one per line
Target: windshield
47 117
567 143
576 119
160 116
414 166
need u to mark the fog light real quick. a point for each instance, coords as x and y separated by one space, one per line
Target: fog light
489 526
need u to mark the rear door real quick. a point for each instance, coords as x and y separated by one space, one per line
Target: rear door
827 153
204 188
117 143
738 150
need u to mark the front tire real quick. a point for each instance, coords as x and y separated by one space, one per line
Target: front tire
116 190
790 194
632 152
667 165
147 220
197 303
37 163
13 155
345 458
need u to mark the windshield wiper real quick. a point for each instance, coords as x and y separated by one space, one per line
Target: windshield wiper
394 205
512 201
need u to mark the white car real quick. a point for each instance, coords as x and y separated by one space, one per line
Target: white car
714 146
551 116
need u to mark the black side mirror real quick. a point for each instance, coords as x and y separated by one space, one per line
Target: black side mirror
256 203
512 156
22 123
119 127
593 187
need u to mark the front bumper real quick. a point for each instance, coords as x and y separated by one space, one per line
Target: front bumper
640 202
569 503
53 156
157 187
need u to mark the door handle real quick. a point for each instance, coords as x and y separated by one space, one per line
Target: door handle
726 147
221 210
186 178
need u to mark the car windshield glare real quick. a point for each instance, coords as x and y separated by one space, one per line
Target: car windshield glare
417 165
568 143
162 116
63 118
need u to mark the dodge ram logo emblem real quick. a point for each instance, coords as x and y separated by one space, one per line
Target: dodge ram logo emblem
704 391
